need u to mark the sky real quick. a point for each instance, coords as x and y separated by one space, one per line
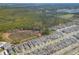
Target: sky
39 1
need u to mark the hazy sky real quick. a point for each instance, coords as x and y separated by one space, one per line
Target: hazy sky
39 1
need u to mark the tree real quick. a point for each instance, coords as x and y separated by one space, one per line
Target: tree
45 31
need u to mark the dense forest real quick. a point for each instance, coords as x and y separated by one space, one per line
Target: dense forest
31 16
11 19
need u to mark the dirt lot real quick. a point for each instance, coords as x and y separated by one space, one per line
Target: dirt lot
19 36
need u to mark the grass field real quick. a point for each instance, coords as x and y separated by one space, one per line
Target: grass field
66 16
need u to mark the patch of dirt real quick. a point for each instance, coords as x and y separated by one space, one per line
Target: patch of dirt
20 35
5 36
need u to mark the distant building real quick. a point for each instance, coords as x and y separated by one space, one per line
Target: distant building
5 45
